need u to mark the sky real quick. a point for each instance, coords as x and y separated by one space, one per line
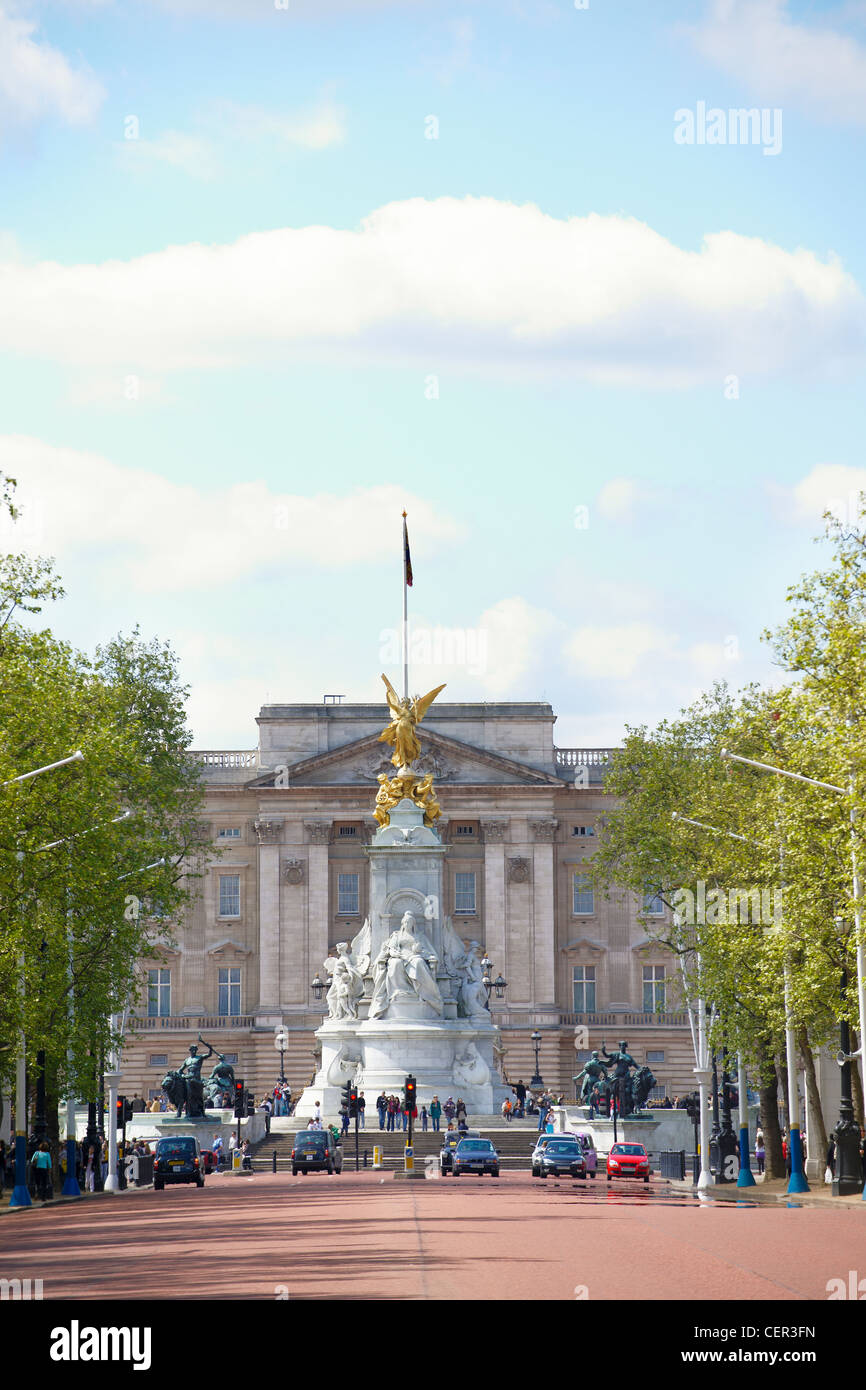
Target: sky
578 285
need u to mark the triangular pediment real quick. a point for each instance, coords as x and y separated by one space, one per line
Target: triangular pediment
452 763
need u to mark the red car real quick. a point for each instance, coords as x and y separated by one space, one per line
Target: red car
628 1161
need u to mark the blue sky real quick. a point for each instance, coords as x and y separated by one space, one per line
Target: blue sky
235 345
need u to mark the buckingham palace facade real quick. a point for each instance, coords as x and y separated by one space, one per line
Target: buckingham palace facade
291 819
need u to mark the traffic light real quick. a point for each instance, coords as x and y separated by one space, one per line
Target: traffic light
127 1111
410 1095
250 1103
120 1112
239 1092
693 1105
346 1098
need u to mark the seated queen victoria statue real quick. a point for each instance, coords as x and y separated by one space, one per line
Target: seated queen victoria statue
405 969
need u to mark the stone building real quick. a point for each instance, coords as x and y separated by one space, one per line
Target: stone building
291 819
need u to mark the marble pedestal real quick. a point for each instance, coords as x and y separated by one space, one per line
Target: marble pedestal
448 1057
449 1053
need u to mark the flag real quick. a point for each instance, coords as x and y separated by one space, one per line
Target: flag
407 559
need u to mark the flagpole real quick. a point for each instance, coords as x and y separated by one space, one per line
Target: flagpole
405 618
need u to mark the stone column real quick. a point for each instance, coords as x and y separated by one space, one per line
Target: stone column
543 900
269 834
494 832
294 976
319 833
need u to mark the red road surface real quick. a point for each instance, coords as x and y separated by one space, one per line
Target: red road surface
364 1237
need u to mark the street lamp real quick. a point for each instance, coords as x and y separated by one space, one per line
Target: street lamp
847 1178
797 1181
856 893
317 985
281 1039
536 1039
20 1196
500 985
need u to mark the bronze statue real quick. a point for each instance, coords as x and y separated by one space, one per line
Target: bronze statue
184 1086
595 1086
621 1061
405 716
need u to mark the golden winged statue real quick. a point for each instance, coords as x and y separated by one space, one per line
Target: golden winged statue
405 714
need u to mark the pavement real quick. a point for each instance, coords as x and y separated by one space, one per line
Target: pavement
366 1236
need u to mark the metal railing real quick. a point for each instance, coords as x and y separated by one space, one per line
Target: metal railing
509 1019
186 1021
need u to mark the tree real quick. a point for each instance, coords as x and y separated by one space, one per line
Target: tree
77 883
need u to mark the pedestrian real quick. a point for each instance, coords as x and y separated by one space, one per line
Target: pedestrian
831 1160
448 1108
344 1118
460 1110
520 1092
435 1112
362 1106
760 1152
90 1170
317 1111
41 1166
506 1109
246 1156
3 1161
392 1114
424 1118
382 1108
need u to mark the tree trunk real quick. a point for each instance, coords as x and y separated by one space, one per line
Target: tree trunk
52 1124
817 1131
769 1093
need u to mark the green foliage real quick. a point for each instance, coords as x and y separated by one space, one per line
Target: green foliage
770 832
74 879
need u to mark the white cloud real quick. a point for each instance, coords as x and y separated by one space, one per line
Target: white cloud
617 651
758 42
141 530
191 154
622 499
37 80
829 487
321 125
473 281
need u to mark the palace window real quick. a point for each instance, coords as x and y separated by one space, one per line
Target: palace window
655 1057
347 895
583 830
464 830
158 993
232 832
653 905
582 895
584 989
653 989
229 990
464 892
230 895
348 832
158 1059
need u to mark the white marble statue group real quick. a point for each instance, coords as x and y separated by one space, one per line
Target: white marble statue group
406 968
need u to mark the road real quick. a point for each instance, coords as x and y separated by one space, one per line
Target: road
367 1237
